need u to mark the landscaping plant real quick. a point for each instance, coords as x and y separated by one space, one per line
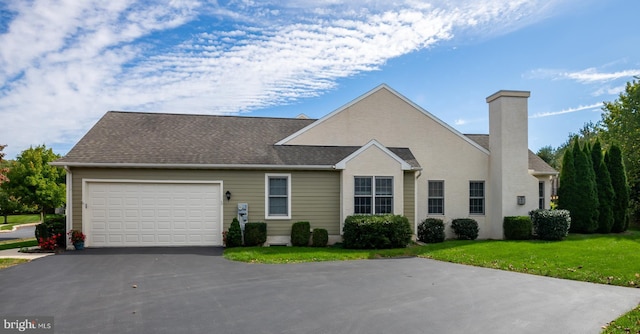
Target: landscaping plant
300 233
320 237
465 228
431 230
517 227
234 236
376 232
255 234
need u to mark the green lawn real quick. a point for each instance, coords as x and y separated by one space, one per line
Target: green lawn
608 259
18 220
5 263
18 243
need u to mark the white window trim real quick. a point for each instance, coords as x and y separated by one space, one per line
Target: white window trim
484 198
373 193
266 197
428 198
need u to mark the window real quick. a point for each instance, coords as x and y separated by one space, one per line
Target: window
436 198
476 197
541 195
373 195
278 196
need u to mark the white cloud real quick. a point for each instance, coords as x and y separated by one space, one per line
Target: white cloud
593 75
589 75
85 57
594 106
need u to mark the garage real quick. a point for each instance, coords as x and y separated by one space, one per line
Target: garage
152 213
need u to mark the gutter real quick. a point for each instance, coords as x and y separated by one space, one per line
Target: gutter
188 166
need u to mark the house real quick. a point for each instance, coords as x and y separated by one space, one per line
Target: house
151 179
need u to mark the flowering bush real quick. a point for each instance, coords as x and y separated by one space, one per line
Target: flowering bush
50 243
76 236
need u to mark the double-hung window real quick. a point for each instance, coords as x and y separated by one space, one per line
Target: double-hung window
373 195
476 197
540 195
435 203
278 196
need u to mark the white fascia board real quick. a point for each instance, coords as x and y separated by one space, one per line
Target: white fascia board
189 166
402 97
343 163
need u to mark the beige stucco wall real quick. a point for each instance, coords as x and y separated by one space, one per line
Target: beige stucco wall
315 194
442 152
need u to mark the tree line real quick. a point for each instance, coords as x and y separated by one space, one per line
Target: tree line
593 187
618 127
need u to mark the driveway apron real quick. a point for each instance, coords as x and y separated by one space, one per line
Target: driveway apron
195 290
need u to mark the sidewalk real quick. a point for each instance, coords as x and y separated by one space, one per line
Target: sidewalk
15 254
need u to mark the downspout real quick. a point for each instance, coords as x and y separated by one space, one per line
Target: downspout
69 207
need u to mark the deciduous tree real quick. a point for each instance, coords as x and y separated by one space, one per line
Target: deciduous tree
34 181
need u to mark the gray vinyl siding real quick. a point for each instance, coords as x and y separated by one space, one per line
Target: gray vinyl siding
409 198
315 194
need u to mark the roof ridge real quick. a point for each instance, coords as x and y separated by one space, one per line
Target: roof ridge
205 115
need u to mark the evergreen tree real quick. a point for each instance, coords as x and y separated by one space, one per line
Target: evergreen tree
584 218
605 190
567 185
613 161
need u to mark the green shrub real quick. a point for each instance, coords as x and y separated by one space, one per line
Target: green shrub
376 232
431 230
234 236
53 225
551 224
320 237
465 228
517 227
255 234
300 234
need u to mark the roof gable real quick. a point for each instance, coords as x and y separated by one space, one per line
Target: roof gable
373 143
318 124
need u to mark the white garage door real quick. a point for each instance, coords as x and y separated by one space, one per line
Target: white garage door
121 214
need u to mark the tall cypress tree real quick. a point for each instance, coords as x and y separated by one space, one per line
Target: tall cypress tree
584 219
567 185
605 190
613 160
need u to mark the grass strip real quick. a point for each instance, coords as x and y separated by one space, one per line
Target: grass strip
18 243
6 263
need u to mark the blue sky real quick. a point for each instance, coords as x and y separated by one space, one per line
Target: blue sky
63 64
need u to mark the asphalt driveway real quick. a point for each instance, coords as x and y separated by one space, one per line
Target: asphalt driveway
195 290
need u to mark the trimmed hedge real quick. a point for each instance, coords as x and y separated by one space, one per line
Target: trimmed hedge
376 232
255 234
234 236
431 230
320 237
53 225
465 228
517 227
300 234
551 224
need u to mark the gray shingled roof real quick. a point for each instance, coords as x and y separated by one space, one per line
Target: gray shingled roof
536 163
179 139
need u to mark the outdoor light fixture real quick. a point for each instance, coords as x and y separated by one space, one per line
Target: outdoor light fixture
228 194
522 200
